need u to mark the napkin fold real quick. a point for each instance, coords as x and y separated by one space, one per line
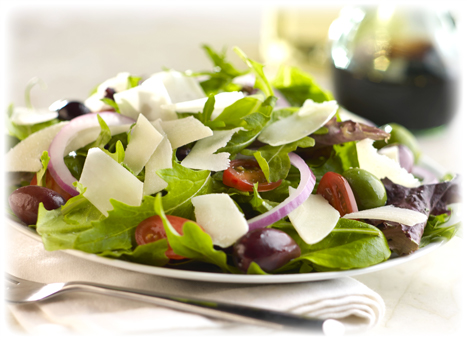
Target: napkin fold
344 299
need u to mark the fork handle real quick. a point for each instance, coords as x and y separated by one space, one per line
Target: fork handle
226 311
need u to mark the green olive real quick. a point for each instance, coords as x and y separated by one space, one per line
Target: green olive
368 190
401 135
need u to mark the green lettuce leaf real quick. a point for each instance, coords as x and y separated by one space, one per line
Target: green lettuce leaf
152 254
183 185
298 86
116 232
59 228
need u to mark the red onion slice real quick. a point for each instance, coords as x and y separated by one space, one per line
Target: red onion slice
57 167
304 189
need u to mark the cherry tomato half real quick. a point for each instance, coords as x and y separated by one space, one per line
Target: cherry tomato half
242 174
152 230
51 184
336 190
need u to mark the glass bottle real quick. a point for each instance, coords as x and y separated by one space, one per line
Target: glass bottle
396 65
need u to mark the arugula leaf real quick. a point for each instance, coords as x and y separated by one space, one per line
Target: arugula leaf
233 114
208 109
260 204
342 157
252 125
261 82
220 79
182 185
104 136
255 269
194 244
40 175
152 254
298 86
111 103
133 81
274 160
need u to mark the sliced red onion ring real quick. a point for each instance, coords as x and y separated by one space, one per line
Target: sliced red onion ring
304 189
56 166
428 176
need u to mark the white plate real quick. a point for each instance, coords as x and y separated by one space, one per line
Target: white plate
239 278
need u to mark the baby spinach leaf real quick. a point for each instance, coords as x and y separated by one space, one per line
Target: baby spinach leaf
352 244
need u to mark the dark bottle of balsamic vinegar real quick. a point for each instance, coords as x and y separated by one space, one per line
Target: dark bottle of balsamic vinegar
396 65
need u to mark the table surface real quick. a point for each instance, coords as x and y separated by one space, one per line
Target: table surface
72 51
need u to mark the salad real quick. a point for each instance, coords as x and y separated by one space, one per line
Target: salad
224 170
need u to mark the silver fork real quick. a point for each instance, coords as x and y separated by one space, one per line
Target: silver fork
21 291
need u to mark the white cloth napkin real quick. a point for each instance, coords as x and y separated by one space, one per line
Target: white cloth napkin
343 299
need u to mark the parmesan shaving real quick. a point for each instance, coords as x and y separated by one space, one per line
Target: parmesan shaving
382 166
26 155
222 100
314 219
203 157
180 88
220 218
118 183
144 141
183 131
160 159
390 213
149 101
311 117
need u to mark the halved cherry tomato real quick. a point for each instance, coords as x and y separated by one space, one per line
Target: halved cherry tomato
244 173
152 230
336 190
51 184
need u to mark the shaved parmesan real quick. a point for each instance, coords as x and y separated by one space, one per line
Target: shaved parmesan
89 135
118 183
202 156
144 141
390 213
220 218
26 116
26 155
222 100
314 219
160 159
118 84
382 166
180 88
391 152
305 121
148 101
183 131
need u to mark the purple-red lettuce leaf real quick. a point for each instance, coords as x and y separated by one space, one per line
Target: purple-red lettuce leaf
430 199
347 131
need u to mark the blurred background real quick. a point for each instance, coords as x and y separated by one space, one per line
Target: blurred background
73 47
